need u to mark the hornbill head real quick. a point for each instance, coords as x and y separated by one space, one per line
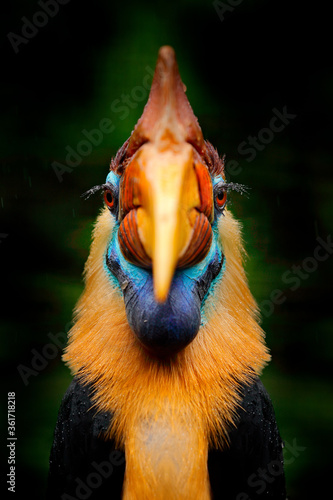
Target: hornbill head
166 331
166 192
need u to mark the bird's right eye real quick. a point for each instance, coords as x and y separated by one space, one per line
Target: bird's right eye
109 198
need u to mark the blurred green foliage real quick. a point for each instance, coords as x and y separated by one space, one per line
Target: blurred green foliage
74 73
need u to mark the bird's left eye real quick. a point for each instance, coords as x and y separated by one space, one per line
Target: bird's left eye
109 198
220 198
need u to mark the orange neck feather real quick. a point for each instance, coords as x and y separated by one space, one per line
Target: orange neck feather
166 414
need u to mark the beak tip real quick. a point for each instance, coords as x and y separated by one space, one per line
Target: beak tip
161 291
160 299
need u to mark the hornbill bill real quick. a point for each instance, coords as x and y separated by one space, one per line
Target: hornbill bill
166 350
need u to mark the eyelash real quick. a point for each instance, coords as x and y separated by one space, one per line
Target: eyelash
110 195
221 191
219 203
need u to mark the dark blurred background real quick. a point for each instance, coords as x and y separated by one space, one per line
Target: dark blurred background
243 64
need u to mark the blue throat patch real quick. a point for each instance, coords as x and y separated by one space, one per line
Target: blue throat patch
164 328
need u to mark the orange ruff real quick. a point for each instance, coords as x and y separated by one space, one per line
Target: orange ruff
167 414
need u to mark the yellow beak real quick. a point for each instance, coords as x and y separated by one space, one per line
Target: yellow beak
169 196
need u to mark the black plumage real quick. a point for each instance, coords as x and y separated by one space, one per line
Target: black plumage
84 464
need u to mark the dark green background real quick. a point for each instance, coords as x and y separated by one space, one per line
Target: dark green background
263 55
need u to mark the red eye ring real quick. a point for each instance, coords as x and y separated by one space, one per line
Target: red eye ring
109 198
221 198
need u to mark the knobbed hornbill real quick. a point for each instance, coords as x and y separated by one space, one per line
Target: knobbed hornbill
166 349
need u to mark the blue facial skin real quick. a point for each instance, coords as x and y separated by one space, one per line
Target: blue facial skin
164 328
